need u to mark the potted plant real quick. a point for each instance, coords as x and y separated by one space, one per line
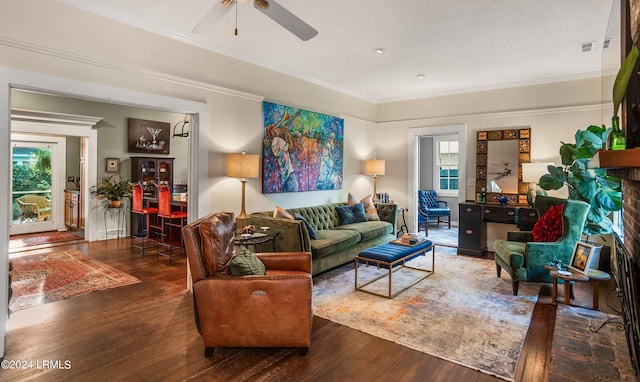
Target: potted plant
594 186
113 190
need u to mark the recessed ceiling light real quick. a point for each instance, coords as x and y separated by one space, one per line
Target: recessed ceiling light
380 50
421 76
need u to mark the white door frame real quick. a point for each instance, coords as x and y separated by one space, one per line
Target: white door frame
58 148
414 135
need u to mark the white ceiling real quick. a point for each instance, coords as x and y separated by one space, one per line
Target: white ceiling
459 45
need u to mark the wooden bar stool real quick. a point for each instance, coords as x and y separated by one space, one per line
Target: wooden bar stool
140 240
169 221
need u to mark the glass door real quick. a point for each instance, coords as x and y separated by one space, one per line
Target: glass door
32 192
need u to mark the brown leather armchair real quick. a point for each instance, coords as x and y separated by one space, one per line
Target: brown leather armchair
273 310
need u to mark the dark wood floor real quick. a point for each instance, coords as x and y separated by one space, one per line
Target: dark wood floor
146 332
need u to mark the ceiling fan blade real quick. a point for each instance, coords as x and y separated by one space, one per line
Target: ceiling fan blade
213 16
499 177
286 19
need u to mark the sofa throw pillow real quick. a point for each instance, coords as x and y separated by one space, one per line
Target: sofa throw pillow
312 232
279 212
351 214
246 263
369 208
351 200
549 227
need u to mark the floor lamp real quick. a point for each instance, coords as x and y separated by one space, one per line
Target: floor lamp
243 166
374 167
531 173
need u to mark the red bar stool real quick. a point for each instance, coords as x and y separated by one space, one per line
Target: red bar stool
140 240
169 221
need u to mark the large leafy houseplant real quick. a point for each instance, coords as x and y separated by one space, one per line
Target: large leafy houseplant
594 186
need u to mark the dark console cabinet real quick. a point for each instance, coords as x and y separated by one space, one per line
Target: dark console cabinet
472 236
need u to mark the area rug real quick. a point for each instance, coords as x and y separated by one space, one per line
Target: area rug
461 313
39 279
28 240
579 354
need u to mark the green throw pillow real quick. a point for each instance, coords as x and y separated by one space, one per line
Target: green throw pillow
246 263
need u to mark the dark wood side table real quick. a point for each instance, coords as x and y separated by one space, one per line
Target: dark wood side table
593 276
567 285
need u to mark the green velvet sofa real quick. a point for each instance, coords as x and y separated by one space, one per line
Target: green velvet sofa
335 245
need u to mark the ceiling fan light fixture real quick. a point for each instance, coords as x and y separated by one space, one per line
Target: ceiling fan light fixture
262 3
226 2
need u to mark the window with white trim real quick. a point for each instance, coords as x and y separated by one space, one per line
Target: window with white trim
446 171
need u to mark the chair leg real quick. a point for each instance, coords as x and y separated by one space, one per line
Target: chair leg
515 285
449 221
498 270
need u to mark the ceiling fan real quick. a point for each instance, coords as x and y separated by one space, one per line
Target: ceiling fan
506 172
270 8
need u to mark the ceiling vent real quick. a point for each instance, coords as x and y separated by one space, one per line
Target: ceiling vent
586 47
607 42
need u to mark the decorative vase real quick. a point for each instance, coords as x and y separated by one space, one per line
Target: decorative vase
114 203
617 139
502 200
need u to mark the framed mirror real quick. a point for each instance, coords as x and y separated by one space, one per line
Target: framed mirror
499 158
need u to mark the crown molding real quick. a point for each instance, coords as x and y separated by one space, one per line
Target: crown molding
40 49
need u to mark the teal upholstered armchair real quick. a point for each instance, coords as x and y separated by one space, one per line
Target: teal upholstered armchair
522 258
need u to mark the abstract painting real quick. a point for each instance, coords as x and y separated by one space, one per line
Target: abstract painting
301 150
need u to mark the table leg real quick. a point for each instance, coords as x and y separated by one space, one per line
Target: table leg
554 291
595 294
567 292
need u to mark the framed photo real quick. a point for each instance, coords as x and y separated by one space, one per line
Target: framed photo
113 165
581 258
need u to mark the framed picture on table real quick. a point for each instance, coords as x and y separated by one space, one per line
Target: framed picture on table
581 258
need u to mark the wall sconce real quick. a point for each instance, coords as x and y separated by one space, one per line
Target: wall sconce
243 166
184 128
374 167
531 173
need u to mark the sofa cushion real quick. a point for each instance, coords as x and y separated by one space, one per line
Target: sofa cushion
370 229
549 227
279 212
351 214
332 240
246 263
312 231
369 207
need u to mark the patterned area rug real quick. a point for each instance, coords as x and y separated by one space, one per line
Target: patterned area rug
43 278
28 240
462 313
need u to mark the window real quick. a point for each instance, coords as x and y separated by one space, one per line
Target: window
447 165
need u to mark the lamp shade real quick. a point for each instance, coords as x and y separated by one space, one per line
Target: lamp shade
243 165
374 167
531 172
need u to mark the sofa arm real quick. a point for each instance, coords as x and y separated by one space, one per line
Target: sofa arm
287 261
291 237
388 212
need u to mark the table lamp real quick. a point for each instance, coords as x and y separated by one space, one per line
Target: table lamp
243 166
374 167
531 173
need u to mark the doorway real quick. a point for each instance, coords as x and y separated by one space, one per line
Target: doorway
35 174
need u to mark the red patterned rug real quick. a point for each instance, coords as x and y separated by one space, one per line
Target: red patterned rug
28 240
47 277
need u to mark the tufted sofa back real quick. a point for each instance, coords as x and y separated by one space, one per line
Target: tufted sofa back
320 217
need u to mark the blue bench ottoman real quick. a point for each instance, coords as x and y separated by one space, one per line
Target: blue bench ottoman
393 257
